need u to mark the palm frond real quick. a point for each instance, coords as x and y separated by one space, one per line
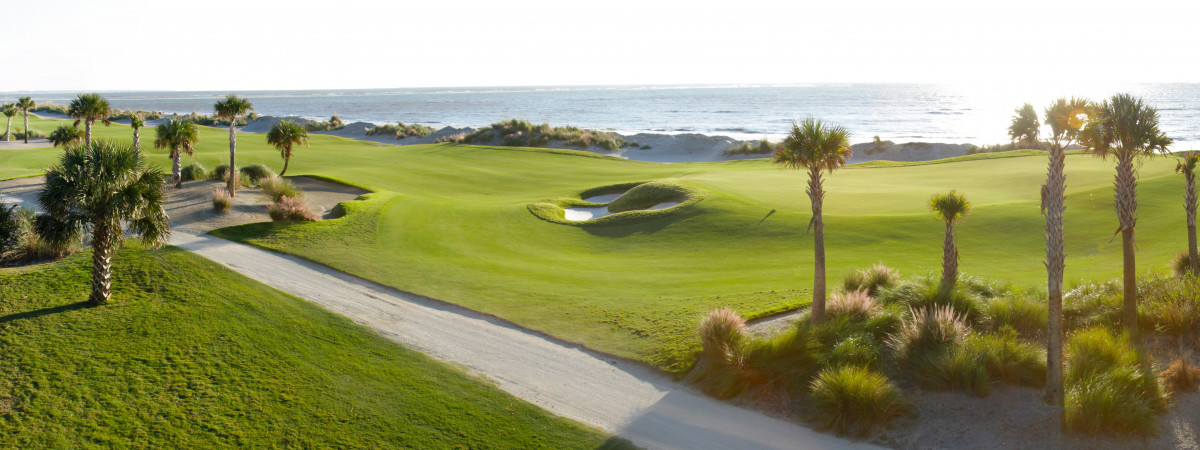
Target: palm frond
949 207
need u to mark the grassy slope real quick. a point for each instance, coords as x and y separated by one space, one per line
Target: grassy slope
453 225
175 363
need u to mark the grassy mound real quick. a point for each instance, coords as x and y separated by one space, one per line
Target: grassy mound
191 355
629 207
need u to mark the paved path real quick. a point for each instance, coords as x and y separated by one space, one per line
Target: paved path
616 396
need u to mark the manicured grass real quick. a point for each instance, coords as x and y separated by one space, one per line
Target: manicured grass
452 222
191 355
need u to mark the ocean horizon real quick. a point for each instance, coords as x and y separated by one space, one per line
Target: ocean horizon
898 112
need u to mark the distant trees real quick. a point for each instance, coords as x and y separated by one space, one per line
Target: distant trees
284 135
99 188
180 136
232 108
949 208
88 108
25 104
1024 128
1187 167
816 147
65 136
1125 128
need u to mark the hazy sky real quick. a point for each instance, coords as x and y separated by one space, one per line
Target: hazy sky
78 45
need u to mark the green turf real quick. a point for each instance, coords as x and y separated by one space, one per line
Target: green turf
191 355
453 222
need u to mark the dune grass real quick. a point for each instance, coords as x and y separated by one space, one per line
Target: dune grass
192 355
452 222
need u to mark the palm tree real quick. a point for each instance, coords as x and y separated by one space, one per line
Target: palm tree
1024 128
949 208
89 108
232 108
1187 167
284 135
136 122
9 111
25 104
1065 118
180 136
98 188
1125 128
65 136
816 147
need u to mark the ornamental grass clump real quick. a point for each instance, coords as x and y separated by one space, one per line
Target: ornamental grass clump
291 209
193 171
221 200
257 172
1110 388
872 279
854 400
276 188
720 366
927 332
856 304
981 360
927 293
1022 313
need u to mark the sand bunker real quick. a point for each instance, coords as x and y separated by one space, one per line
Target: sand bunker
582 214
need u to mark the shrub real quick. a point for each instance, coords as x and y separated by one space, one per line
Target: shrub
1180 376
926 293
872 279
220 173
19 133
854 400
856 304
1109 387
193 171
290 209
980 360
276 188
1022 313
1174 307
221 201
64 241
1182 264
1093 304
257 172
928 331
11 227
859 349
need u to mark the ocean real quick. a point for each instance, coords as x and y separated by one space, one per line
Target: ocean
898 112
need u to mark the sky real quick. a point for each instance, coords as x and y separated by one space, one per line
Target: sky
86 45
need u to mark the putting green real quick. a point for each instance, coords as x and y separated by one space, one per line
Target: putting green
453 222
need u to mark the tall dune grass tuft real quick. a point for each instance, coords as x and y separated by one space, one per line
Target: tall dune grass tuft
981 360
719 370
276 188
1110 387
926 293
221 200
872 279
1180 376
854 400
1023 313
291 209
928 331
856 304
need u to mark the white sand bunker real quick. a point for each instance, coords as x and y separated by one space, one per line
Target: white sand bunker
582 214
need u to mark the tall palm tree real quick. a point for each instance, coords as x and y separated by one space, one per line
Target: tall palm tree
816 147
950 208
1065 118
284 135
98 188
1187 167
232 108
9 111
89 108
65 136
1125 128
180 136
25 104
1024 127
136 122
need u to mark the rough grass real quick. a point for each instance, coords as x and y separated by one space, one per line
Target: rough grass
981 360
1110 387
192 355
854 400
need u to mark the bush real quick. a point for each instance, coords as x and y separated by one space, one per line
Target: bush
1180 376
925 293
981 360
220 173
193 171
927 332
858 349
290 209
19 134
856 304
854 400
276 188
1019 312
257 172
872 279
12 227
1109 386
221 201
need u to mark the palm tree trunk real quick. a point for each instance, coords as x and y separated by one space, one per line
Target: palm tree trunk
87 132
231 186
177 168
949 260
7 128
137 141
101 264
1189 205
1053 207
1126 204
287 157
27 126
816 193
